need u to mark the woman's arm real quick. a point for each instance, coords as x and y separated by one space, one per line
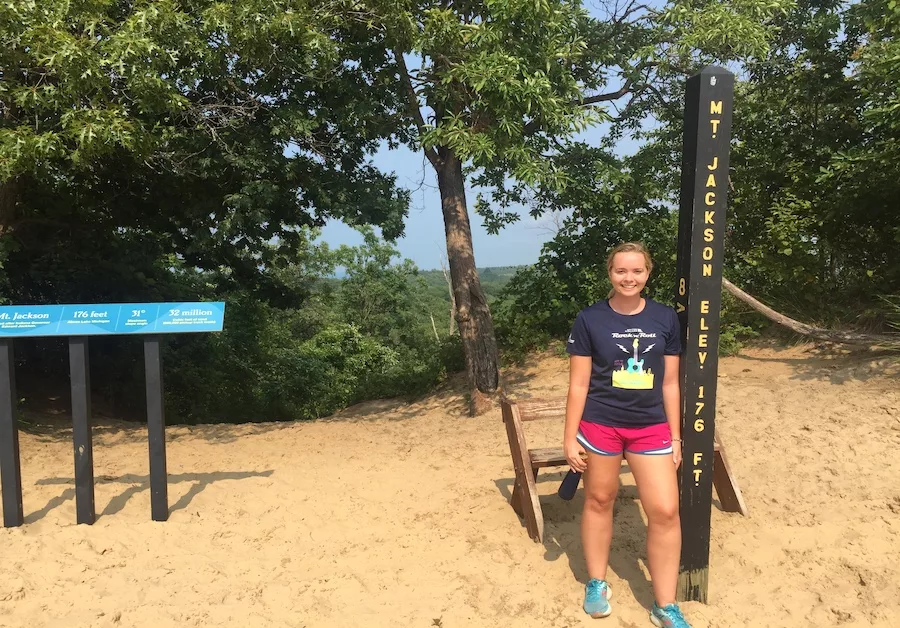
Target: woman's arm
671 391
579 381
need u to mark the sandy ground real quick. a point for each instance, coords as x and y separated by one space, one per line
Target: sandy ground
396 515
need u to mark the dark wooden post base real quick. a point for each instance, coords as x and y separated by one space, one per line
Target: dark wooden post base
10 470
80 375
156 428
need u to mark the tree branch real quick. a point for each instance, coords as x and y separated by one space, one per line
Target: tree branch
616 95
631 8
626 88
413 103
662 100
819 333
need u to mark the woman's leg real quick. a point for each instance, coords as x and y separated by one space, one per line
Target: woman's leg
655 475
601 483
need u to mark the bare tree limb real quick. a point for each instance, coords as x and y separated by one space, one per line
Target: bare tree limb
627 87
434 327
413 102
616 95
622 113
452 296
553 223
631 8
819 333
662 100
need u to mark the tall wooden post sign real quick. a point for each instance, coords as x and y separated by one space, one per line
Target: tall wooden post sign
701 231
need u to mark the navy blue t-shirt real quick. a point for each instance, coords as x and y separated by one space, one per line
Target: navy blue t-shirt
627 351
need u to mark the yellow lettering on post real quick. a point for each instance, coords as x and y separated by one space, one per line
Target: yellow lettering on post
704 307
715 106
698 456
715 164
708 217
697 473
715 126
700 394
702 355
710 198
707 270
699 426
703 325
701 340
681 286
708 234
707 253
700 406
711 181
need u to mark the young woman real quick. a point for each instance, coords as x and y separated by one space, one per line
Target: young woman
624 399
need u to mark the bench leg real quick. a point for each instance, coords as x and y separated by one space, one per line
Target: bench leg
726 486
528 497
534 517
516 499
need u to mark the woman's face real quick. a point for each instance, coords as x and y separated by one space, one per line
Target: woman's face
628 274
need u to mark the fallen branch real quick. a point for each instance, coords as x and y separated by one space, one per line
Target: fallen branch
819 333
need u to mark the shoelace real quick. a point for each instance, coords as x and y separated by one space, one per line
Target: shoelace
674 612
595 591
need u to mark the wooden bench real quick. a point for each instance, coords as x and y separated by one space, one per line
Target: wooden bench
527 461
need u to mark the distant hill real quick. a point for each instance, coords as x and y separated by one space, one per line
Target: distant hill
493 280
434 301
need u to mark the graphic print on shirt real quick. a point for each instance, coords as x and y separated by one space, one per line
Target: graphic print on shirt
631 374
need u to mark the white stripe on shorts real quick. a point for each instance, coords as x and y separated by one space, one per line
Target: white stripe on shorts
584 441
653 452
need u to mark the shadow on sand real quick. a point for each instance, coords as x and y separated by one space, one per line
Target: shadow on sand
138 484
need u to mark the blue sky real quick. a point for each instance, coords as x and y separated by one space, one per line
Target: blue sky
424 242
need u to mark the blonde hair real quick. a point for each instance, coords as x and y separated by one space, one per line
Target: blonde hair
628 247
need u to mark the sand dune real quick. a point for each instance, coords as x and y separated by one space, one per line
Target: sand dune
394 514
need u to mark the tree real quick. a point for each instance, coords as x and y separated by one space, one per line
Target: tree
869 172
812 223
494 89
379 297
214 129
798 110
813 207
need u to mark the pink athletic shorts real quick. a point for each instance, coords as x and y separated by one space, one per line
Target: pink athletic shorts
613 441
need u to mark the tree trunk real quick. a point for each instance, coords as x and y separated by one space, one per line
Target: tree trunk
828 335
476 328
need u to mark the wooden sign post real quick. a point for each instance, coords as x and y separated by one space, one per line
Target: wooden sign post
701 232
10 469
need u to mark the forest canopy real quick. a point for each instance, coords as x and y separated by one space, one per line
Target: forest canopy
190 150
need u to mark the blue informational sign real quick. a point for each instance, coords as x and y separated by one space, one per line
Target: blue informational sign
111 318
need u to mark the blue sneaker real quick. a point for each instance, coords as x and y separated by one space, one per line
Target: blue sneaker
596 598
668 616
